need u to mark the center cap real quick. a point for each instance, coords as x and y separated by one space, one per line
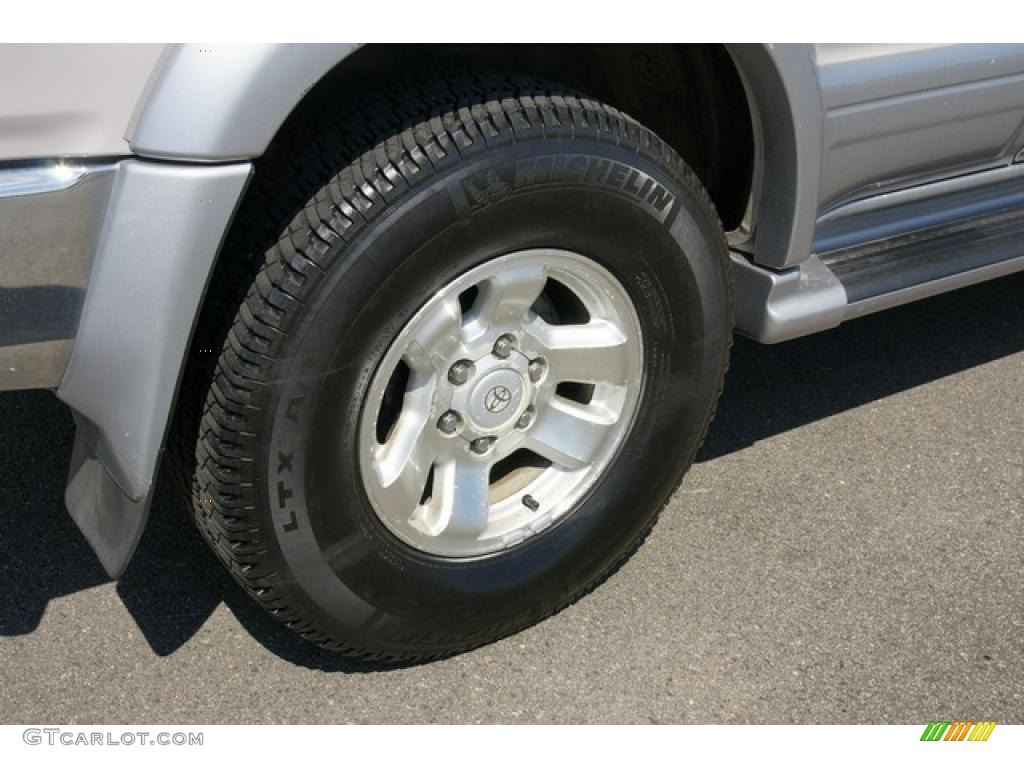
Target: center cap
496 399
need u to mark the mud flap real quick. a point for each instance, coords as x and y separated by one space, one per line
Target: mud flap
111 522
163 229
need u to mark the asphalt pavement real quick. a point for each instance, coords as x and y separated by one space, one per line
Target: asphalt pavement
847 549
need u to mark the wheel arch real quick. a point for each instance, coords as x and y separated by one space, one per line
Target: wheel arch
746 118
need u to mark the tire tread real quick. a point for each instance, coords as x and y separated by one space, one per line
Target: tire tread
388 143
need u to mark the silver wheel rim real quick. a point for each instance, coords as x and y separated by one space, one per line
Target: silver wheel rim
500 403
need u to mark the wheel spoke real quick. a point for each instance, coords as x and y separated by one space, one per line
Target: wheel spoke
438 338
403 462
594 352
459 506
568 434
530 330
504 299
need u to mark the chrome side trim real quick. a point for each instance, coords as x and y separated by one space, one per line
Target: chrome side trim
922 208
19 181
51 214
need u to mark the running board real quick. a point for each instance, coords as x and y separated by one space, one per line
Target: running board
829 288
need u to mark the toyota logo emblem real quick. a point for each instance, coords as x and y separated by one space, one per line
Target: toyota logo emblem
497 399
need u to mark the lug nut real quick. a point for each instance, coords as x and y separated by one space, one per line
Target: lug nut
527 418
449 422
459 372
481 445
504 345
536 369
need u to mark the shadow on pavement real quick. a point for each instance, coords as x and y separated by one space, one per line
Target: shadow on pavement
174 583
773 389
42 554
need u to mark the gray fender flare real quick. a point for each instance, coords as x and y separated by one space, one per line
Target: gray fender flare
225 102
210 110
785 99
162 230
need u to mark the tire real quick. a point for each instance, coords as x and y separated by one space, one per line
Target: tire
451 176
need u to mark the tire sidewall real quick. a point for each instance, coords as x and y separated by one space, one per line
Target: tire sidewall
346 569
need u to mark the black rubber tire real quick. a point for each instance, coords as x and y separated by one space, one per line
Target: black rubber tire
458 170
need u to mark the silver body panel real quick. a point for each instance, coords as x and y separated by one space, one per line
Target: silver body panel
900 116
67 100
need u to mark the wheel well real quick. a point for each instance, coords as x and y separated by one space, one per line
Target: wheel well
690 95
